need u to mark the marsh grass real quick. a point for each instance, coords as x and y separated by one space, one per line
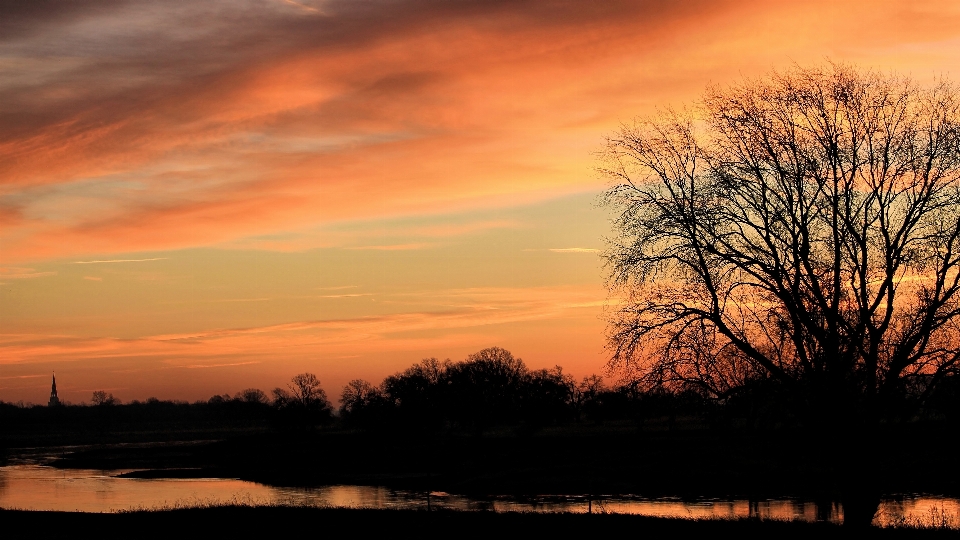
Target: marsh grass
935 518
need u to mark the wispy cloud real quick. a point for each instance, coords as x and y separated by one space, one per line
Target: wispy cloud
23 273
121 260
440 106
436 322
92 278
393 247
304 7
207 366
566 250
219 301
340 288
457 229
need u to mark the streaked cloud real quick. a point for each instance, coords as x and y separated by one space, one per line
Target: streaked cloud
110 261
208 366
273 117
392 247
23 273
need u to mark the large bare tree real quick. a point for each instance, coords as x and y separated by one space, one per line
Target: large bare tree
803 228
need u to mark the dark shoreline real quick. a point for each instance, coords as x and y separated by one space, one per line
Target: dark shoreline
362 522
606 459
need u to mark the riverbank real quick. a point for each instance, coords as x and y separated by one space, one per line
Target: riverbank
610 459
244 520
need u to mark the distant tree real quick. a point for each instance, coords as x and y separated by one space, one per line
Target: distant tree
252 395
306 390
281 398
419 393
102 398
486 387
363 405
356 395
547 396
586 394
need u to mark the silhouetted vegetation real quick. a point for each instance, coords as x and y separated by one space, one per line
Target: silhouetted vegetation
265 520
488 424
488 389
795 237
110 420
791 246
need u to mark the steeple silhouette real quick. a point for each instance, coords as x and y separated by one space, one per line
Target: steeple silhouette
54 400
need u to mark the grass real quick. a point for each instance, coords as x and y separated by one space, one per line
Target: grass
936 518
252 519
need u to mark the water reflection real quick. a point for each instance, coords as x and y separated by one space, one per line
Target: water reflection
37 487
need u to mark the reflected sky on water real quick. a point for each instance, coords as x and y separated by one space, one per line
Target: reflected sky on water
36 487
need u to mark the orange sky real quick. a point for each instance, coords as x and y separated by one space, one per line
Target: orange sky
198 197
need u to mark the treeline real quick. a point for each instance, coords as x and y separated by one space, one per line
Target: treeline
488 388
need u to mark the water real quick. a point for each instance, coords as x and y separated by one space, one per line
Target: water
31 486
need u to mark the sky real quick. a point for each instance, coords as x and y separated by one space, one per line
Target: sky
202 197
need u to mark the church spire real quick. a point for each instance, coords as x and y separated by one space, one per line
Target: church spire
54 400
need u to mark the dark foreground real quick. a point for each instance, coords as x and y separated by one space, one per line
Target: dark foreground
246 521
610 459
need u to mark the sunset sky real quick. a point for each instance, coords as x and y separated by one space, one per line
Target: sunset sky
200 197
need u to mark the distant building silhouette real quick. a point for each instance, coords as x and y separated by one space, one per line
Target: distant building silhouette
54 400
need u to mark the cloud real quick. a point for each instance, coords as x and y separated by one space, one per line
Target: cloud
207 366
23 273
92 278
574 250
393 247
121 261
302 6
459 309
420 323
131 128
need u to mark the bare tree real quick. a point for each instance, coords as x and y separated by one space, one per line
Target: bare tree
356 394
252 395
802 229
281 398
102 398
306 390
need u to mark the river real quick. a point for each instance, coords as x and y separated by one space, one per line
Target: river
33 486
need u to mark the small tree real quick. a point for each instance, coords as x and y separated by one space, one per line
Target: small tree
102 398
307 392
361 403
281 398
252 395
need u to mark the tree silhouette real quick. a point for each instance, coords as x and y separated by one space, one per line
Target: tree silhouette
252 395
102 398
487 387
307 392
803 230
